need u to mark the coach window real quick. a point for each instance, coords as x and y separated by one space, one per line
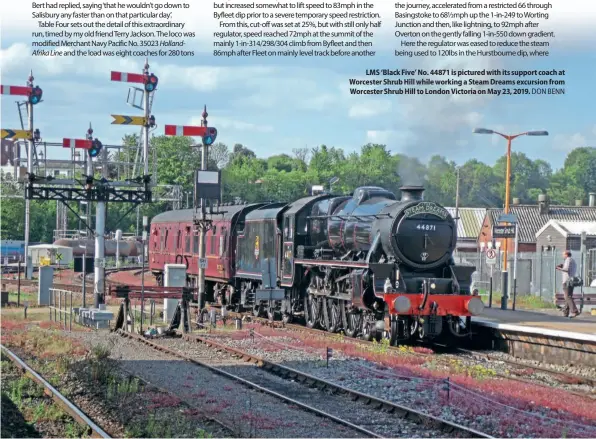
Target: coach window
178 239
195 244
165 241
187 242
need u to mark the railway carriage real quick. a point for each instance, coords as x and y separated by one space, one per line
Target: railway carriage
174 240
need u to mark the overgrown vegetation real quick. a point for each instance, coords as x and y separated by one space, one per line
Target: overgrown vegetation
133 408
39 414
526 301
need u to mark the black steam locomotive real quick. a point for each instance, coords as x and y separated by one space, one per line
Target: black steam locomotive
349 262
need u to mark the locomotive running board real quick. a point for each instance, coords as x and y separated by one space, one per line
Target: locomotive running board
327 263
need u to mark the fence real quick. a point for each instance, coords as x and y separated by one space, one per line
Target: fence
64 299
136 313
536 272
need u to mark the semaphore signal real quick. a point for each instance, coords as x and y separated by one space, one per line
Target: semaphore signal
34 94
76 143
208 134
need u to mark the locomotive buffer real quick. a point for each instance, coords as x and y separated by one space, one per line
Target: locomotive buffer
269 275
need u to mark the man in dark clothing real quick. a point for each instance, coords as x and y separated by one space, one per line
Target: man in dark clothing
569 269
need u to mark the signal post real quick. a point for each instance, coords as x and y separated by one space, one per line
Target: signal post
91 190
207 186
147 121
34 94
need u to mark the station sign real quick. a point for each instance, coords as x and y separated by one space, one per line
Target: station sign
504 232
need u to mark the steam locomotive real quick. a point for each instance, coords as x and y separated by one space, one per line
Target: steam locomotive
355 263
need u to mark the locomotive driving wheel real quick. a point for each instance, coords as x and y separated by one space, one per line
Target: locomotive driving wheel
312 316
393 331
369 331
354 324
334 313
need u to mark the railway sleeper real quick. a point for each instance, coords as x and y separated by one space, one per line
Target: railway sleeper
387 408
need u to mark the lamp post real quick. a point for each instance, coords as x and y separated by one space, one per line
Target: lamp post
509 138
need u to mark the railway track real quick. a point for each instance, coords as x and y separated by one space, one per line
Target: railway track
559 376
60 399
305 400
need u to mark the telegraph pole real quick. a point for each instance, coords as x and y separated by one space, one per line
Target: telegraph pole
146 127
100 226
202 223
89 173
30 146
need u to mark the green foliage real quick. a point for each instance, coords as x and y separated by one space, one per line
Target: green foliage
286 177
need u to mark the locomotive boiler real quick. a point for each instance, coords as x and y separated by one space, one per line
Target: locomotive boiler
421 234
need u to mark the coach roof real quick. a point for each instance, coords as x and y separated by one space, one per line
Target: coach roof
186 215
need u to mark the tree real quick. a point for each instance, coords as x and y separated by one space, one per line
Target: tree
441 178
177 160
287 177
479 186
580 168
301 154
240 152
526 177
219 155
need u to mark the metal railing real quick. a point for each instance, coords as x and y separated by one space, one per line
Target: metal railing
63 308
136 313
67 234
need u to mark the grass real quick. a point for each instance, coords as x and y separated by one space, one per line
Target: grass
36 408
68 365
25 297
526 301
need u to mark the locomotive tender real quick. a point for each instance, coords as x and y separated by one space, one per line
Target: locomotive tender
344 263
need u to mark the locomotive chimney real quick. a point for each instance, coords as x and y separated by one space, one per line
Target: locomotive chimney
412 193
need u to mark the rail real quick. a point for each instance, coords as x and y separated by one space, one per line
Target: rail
251 384
58 310
72 409
287 372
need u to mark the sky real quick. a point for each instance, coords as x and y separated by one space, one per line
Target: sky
272 105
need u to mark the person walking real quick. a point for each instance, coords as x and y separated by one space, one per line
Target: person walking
569 269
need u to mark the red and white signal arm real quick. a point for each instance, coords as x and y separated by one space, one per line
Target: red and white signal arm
186 130
76 143
127 77
15 90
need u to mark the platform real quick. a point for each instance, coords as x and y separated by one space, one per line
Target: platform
582 327
538 336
